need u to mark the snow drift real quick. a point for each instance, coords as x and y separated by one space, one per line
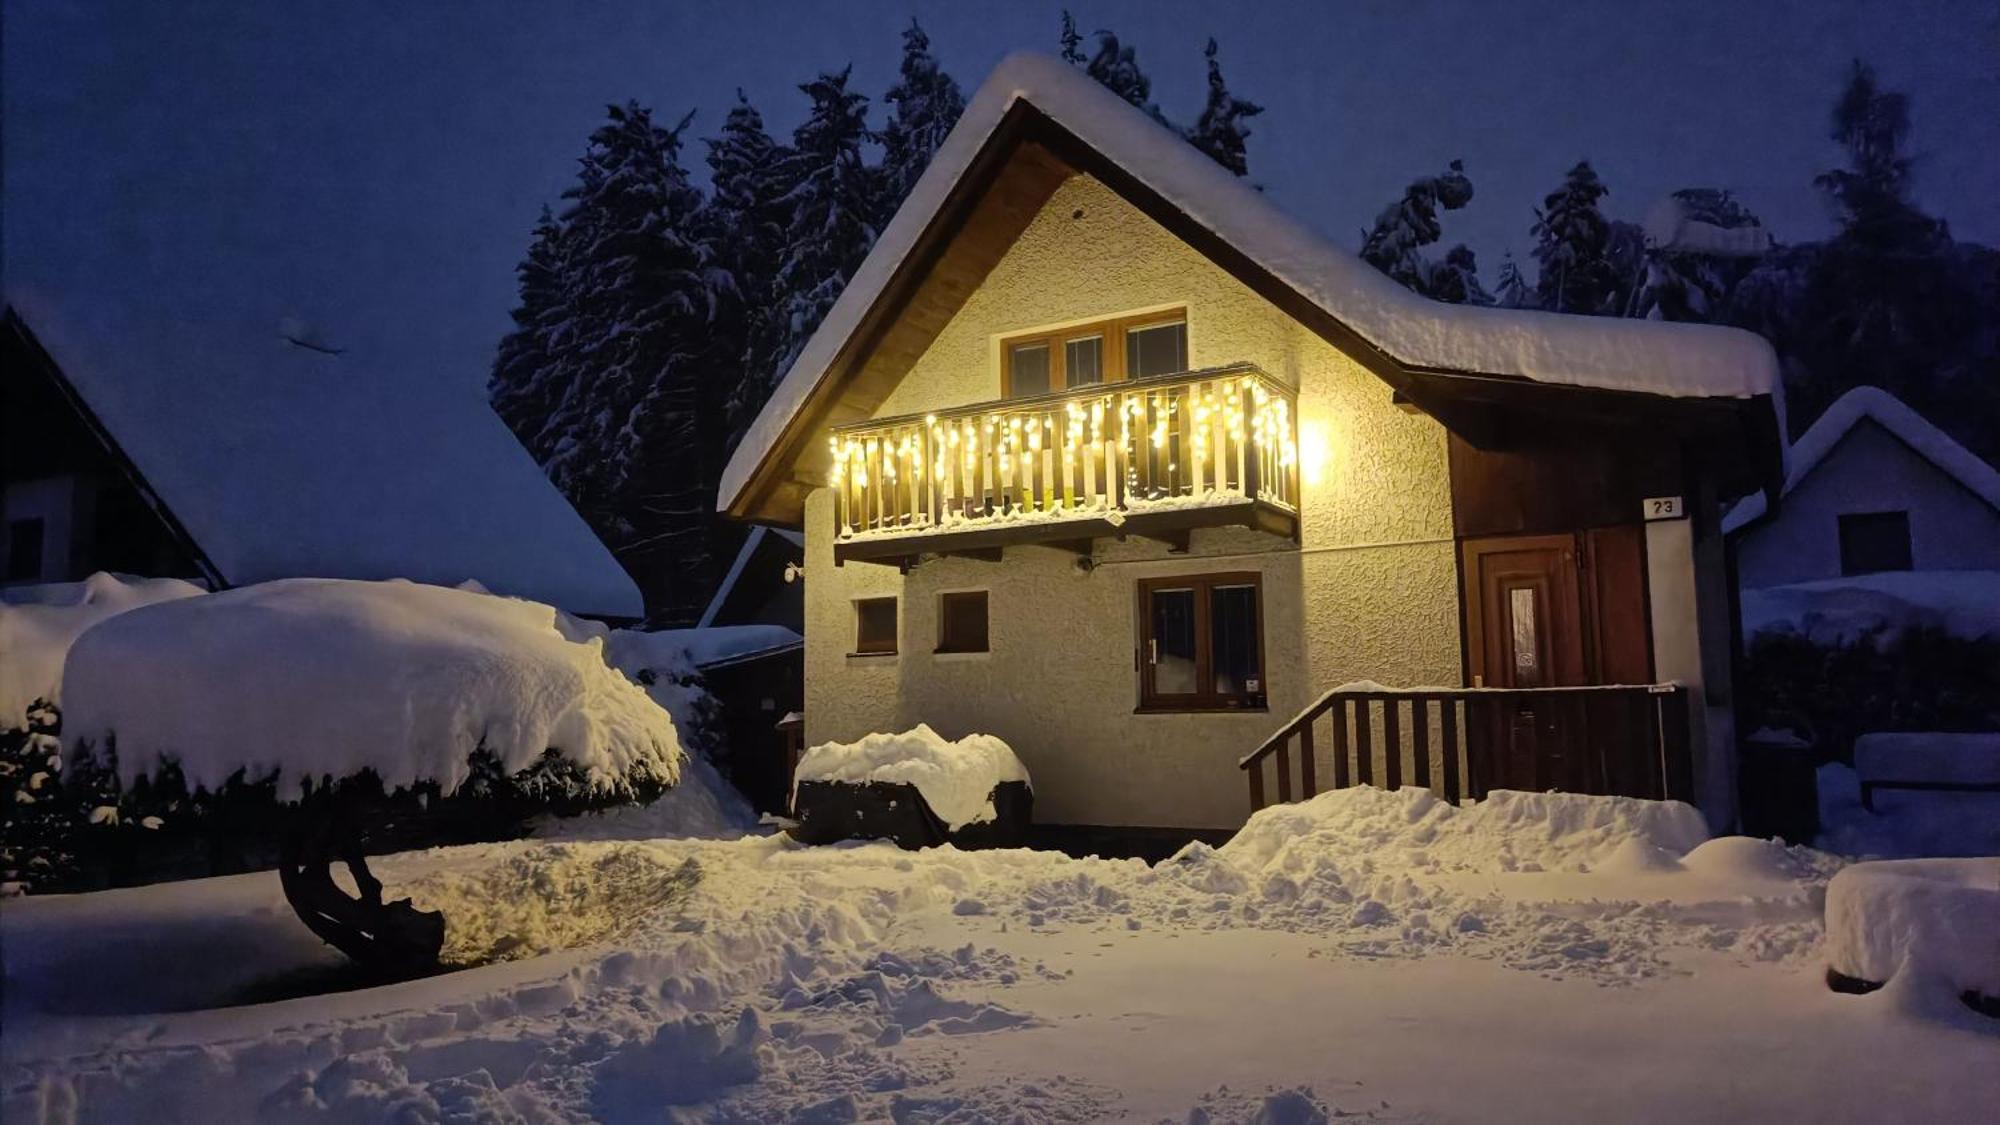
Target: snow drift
1919 922
38 624
956 778
310 678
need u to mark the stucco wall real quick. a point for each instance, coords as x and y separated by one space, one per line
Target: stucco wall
1370 593
1870 470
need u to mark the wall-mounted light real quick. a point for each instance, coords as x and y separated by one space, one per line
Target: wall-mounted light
1315 451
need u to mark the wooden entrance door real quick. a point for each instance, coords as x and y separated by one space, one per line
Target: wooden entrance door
1552 611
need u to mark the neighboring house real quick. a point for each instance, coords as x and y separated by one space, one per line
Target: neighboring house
761 587
1870 487
168 449
1102 453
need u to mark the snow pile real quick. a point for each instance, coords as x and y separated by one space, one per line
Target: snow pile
310 678
38 624
1927 924
1508 831
955 778
1840 611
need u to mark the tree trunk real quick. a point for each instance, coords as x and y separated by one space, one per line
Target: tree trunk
394 940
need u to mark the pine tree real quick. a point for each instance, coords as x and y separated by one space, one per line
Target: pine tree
1220 132
519 388
747 218
1392 244
927 103
1572 243
833 203
1072 53
1456 279
1684 279
1512 291
1116 68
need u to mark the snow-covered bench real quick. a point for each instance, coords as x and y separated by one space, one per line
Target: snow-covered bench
1926 760
1936 921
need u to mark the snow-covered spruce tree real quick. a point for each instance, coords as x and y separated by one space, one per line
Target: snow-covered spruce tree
1891 299
1572 244
1689 272
1456 279
1072 50
925 103
1512 291
352 709
1219 132
832 204
1116 68
1393 243
521 388
746 219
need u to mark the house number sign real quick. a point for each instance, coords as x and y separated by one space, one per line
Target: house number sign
1664 508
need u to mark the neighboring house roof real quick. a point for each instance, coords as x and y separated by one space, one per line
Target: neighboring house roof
1886 410
751 544
282 462
1225 217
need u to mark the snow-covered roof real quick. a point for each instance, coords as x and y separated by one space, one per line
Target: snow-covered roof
1655 357
1889 412
286 462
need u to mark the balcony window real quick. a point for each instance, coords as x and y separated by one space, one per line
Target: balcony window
1201 643
1104 351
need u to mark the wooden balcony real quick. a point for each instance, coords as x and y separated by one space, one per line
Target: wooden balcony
1154 457
1627 740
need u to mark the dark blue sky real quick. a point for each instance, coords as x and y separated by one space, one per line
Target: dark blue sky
375 167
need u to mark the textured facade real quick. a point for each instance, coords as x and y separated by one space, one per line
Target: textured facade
1369 592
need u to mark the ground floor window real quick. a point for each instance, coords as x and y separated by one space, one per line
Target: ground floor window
962 621
1201 642
874 626
1874 541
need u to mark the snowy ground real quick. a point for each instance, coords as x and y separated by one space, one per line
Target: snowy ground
1371 954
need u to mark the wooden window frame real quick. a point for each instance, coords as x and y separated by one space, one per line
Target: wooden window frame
1113 330
865 647
944 643
1204 698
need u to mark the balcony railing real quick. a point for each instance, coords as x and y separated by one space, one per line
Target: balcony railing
1213 445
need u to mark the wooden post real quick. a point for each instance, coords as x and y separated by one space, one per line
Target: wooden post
1448 716
1307 781
1285 770
1341 777
1364 753
1256 772
1420 740
1392 743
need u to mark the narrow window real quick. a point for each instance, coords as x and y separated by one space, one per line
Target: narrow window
1156 349
1874 541
1526 637
1201 643
962 622
1083 361
874 626
24 549
1028 369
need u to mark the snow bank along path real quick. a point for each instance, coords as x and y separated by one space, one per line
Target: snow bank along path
38 624
325 677
757 980
955 778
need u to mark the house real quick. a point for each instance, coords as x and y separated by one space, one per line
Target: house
1101 452
215 452
761 586
1870 487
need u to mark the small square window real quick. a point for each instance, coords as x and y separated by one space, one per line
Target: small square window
24 549
1871 542
874 626
962 622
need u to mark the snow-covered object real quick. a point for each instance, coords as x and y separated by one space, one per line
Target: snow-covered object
39 623
1657 357
315 677
1837 611
1507 831
282 461
1670 227
1956 759
1886 410
1937 920
632 649
955 778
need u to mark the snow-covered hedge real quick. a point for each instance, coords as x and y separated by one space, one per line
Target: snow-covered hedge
39 623
307 679
1924 924
955 778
